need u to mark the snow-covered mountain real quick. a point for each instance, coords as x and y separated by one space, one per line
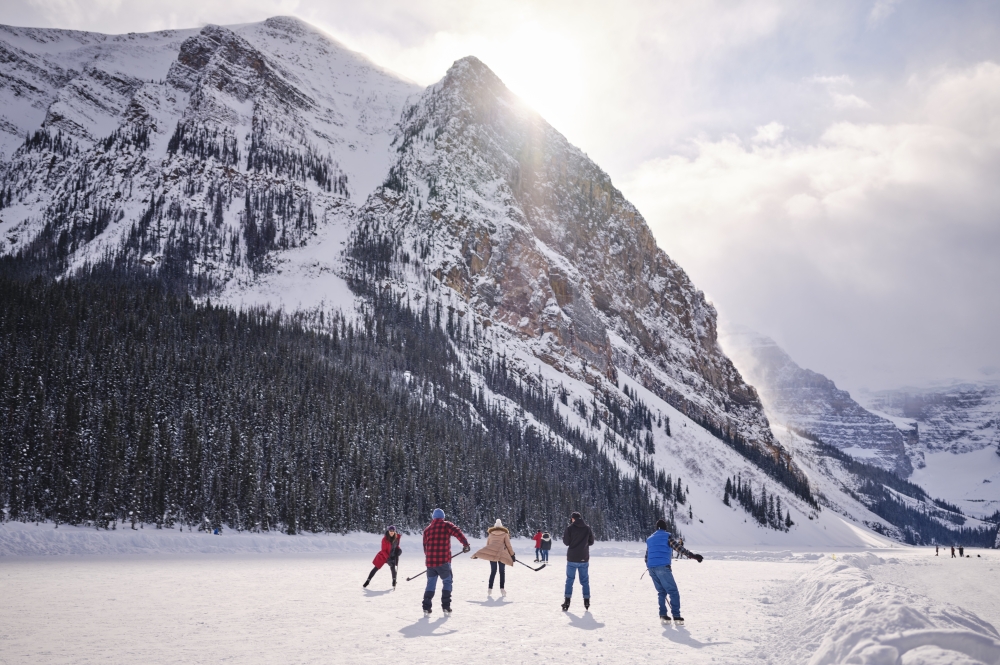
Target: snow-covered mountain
267 164
941 439
956 444
809 402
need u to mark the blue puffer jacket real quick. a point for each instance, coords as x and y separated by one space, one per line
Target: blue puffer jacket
658 550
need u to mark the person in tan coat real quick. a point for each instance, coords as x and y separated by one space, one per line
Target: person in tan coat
498 552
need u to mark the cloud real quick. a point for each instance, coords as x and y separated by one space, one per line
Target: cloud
872 252
769 133
836 87
881 10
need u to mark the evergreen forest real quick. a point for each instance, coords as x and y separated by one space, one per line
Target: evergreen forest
126 404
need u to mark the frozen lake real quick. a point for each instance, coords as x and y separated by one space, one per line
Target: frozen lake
276 607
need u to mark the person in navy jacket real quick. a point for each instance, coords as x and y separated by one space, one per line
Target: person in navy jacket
659 548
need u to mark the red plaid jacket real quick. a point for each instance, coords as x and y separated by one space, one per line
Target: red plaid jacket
437 542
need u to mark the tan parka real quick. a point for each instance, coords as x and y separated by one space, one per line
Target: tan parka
498 547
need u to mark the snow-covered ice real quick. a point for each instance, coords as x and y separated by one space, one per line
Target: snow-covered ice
272 598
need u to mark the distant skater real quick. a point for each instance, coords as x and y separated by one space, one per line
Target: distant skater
538 546
437 555
952 551
499 552
659 548
936 548
578 538
546 546
961 552
388 554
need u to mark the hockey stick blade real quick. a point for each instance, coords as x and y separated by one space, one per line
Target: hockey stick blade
530 568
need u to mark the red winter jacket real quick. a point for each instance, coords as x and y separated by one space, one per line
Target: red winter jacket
437 542
538 540
388 545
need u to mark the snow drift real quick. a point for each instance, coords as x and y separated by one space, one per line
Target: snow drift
837 613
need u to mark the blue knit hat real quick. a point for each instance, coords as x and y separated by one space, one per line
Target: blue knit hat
438 514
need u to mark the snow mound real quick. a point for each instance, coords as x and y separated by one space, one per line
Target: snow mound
837 613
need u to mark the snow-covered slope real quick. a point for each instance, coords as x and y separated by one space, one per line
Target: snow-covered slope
956 444
201 150
810 402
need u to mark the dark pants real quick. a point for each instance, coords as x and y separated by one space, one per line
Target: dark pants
392 569
538 553
545 555
444 572
493 572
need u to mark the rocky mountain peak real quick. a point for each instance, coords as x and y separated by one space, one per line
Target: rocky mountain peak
534 236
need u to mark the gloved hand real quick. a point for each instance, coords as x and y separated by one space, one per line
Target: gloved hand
698 558
513 558
466 548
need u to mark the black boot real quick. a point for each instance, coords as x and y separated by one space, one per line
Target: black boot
446 602
428 599
586 603
565 605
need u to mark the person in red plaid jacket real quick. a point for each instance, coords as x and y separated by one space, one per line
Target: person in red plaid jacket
437 552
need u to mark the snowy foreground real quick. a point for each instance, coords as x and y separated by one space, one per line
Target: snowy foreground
78 596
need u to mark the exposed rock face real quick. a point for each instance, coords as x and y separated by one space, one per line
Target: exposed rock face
497 205
810 402
959 418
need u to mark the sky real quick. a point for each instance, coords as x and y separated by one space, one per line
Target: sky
827 172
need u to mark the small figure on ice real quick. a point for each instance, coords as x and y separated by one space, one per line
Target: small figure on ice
659 548
388 554
578 538
437 558
546 546
499 552
538 545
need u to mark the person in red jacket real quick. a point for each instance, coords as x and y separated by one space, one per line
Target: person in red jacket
388 554
437 554
538 546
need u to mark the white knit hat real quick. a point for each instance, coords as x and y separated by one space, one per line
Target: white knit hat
499 523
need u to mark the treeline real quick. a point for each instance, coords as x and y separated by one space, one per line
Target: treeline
123 403
919 524
764 508
264 156
200 142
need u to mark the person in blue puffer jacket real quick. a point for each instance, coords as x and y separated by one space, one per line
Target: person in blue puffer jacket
659 548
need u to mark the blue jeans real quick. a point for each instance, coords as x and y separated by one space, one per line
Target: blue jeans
545 555
493 572
571 570
538 553
663 580
444 572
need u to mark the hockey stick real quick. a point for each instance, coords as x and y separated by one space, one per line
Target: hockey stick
529 567
425 570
